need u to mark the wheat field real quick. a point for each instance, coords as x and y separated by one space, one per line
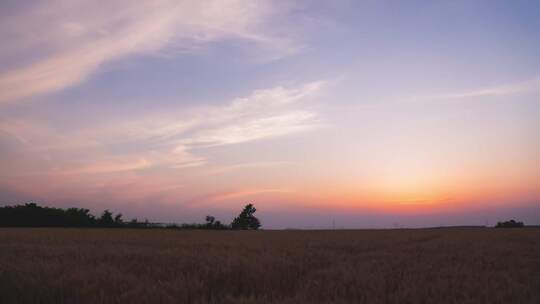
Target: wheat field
447 265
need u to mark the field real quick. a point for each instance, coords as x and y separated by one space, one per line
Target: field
451 265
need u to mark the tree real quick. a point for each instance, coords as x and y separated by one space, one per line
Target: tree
118 219
211 223
210 220
79 217
510 224
246 220
106 219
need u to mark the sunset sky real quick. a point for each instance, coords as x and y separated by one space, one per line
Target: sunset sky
366 113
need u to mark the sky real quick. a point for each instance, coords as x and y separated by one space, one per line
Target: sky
353 114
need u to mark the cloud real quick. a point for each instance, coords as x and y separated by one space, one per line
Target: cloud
159 140
244 193
57 44
110 166
254 165
261 115
532 85
254 129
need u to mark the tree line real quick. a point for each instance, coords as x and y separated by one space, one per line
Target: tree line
33 215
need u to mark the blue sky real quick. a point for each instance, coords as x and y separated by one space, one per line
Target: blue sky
377 112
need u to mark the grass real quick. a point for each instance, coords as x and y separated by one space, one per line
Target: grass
466 265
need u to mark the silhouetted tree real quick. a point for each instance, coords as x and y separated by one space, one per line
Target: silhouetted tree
509 224
106 219
210 220
118 220
32 215
79 217
211 223
246 220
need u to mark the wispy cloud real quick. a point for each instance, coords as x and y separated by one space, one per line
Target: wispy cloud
254 129
166 140
244 193
58 43
532 85
263 114
109 166
246 166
